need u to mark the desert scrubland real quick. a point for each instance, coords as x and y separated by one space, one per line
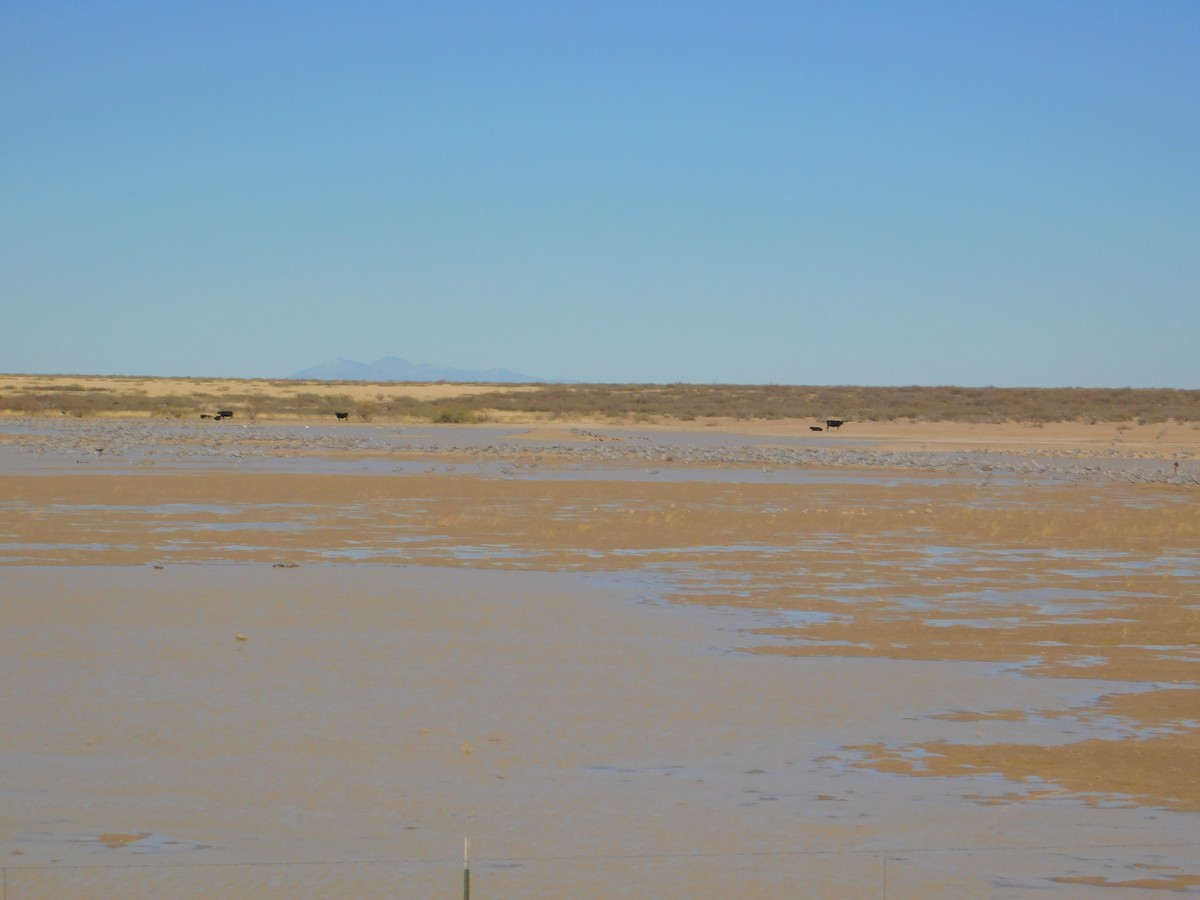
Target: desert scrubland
674 404
627 654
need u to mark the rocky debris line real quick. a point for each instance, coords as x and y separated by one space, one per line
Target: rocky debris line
1133 470
132 442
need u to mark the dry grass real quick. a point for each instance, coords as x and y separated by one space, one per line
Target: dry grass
456 403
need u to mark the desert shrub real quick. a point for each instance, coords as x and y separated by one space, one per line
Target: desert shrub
627 402
456 417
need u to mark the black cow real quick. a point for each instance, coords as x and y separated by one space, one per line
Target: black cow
342 416
224 414
815 428
834 423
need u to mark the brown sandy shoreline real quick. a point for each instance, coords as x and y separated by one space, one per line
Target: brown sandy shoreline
1050 577
1066 452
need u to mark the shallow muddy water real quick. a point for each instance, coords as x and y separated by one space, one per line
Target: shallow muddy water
587 737
247 683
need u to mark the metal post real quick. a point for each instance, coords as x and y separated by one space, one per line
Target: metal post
466 869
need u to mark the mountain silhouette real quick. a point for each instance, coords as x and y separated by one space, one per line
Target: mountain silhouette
393 368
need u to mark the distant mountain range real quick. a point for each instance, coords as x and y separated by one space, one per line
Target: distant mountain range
392 368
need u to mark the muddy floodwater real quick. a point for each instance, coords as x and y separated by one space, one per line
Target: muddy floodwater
261 663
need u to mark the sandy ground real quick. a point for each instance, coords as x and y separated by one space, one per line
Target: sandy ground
261 662
270 387
1172 440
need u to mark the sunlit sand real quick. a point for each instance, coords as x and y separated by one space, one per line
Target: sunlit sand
245 660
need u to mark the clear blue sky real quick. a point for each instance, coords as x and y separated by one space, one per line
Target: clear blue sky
968 193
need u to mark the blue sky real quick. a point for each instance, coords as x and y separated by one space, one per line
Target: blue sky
1002 193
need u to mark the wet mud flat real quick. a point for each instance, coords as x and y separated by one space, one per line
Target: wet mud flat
621 451
830 682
